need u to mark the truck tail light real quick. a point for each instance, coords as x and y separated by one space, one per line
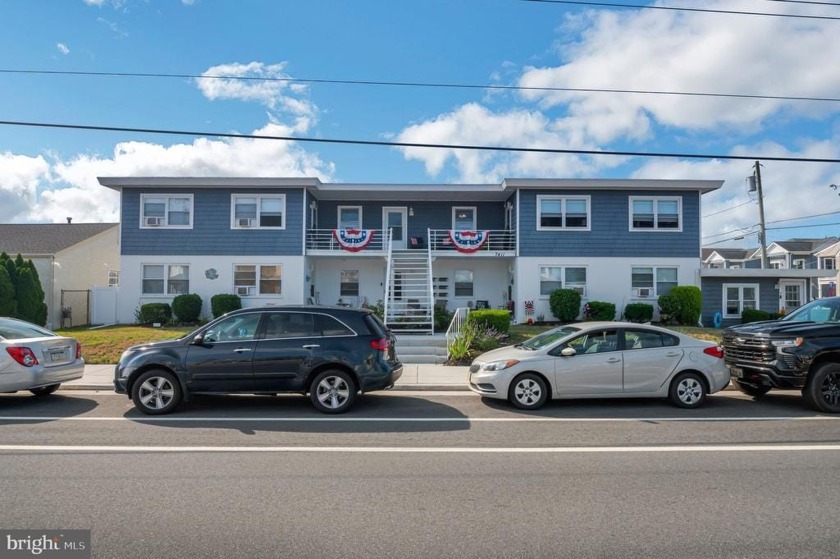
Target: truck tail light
715 351
381 344
23 355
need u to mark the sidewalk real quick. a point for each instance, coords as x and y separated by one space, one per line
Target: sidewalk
414 377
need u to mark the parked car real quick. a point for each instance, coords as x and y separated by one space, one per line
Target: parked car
35 359
602 360
329 353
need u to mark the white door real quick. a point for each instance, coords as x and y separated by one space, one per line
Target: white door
791 295
396 220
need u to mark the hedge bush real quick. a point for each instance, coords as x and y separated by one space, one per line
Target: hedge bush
224 303
151 313
599 310
442 318
187 308
756 315
565 304
669 308
638 312
498 320
691 304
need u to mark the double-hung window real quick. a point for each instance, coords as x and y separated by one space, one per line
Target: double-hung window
655 213
349 283
651 282
463 283
263 211
563 213
737 297
165 279
257 279
166 210
553 278
827 263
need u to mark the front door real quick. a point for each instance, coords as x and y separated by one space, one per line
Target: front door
791 295
395 219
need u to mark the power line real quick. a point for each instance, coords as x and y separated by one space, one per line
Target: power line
740 229
438 85
803 217
731 208
470 147
671 8
735 238
806 2
802 226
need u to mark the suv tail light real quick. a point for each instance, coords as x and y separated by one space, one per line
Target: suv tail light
382 344
23 355
715 351
78 350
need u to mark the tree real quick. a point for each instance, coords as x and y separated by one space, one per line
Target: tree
12 273
8 301
29 305
41 315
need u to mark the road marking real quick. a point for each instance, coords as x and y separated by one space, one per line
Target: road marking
345 419
425 450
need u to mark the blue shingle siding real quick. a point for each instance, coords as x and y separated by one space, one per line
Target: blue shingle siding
211 232
609 233
768 297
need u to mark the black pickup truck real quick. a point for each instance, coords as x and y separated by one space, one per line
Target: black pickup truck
799 352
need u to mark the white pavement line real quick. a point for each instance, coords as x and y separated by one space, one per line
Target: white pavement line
331 419
424 450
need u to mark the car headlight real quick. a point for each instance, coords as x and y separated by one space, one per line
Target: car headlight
499 365
788 343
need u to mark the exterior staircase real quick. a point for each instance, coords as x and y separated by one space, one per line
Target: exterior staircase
409 305
421 349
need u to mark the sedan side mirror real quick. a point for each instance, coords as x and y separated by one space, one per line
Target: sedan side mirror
568 352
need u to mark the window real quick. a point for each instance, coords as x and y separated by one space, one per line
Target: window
349 283
290 325
553 278
251 211
798 264
655 213
113 278
161 279
653 282
253 279
332 327
349 217
563 212
828 263
737 297
777 264
237 328
463 283
645 339
172 210
595 342
463 219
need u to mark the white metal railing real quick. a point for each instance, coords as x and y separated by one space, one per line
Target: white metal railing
431 287
499 240
456 325
324 239
388 260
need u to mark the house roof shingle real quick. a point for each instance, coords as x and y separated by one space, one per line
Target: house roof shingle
46 238
806 245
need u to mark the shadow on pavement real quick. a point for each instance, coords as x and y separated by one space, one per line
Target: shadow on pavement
54 405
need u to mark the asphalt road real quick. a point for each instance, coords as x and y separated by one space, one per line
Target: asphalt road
425 475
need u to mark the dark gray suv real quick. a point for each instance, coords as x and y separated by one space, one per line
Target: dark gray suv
330 353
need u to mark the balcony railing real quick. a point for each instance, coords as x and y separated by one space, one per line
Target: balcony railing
324 239
499 241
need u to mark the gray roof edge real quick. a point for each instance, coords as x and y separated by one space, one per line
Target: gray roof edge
118 183
641 184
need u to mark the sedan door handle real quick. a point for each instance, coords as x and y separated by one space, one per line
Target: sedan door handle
613 360
311 346
672 354
241 350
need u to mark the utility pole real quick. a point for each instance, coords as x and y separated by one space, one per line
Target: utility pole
761 233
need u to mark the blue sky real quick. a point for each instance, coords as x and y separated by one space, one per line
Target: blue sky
47 174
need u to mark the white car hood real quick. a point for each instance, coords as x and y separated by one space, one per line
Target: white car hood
505 353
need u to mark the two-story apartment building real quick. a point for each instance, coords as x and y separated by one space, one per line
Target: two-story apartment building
508 245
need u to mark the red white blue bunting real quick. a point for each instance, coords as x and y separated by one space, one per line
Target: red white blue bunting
353 240
468 241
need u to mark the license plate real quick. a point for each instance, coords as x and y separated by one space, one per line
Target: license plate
736 372
57 356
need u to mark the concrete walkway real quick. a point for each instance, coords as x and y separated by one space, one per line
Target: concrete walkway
414 377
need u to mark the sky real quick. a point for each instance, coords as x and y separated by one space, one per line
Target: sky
539 54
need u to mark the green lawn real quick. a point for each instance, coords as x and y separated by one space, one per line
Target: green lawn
104 345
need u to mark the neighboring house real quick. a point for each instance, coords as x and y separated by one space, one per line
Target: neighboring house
508 245
71 259
796 274
827 259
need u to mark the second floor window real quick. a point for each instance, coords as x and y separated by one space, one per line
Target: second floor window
259 211
349 217
166 279
463 219
827 263
256 279
167 210
657 213
563 212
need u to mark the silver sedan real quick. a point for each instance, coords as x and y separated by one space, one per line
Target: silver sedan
602 360
35 359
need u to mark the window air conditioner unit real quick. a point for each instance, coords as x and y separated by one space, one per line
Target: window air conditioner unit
153 221
247 222
642 292
245 290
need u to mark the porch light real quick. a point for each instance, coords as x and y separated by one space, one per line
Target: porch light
410 211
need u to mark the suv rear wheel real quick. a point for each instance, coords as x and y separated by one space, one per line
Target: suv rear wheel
823 389
332 392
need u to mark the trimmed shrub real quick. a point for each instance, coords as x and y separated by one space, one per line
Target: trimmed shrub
690 300
498 320
224 303
756 315
187 307
29 304
442 318
565 304
599 310
669 308
8 302
152 313
638 312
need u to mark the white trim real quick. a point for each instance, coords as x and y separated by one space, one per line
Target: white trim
823 259
474 220
803 293
563 198
740 287
403 211
338 216
655 200
167 196
234 222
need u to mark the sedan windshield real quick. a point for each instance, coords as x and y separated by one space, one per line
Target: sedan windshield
548 337
18 330
821 310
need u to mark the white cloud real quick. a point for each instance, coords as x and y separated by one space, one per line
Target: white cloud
20 177
115 29
94 2
62 48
